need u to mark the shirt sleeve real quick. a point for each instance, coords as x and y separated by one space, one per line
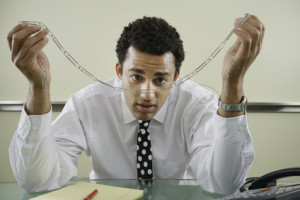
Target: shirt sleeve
44 156
220 148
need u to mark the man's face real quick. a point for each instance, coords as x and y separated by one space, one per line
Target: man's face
146 71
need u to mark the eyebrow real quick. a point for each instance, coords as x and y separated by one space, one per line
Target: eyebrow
140 71
162 74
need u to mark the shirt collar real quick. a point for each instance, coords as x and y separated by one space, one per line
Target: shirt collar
128 117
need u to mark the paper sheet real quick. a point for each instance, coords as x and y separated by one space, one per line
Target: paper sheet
80 190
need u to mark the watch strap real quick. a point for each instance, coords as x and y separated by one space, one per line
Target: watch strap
233 107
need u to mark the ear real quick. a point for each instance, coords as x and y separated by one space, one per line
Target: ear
176 75
119 70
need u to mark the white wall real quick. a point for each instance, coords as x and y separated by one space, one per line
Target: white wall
89 31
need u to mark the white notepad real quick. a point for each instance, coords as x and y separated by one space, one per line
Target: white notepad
80 190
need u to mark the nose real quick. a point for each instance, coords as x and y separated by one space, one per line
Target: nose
148 90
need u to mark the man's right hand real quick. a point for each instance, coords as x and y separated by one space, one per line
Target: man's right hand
26 44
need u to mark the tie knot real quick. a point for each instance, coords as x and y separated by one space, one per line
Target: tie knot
144 124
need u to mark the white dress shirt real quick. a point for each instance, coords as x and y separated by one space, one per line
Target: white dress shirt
189 140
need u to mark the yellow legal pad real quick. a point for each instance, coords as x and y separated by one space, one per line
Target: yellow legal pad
80 190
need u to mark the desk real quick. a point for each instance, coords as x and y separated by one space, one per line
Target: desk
159 190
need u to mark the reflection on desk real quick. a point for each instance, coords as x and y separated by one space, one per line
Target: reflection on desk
158 189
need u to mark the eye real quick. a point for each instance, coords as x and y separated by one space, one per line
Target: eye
136 77
160 81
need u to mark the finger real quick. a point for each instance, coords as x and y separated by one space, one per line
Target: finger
260 26
36 49
241 20
31 41
262 36
18 37
254 34
244 50
255 22
13 31
250 19
30 66
238 21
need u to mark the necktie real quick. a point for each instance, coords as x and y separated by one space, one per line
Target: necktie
144 154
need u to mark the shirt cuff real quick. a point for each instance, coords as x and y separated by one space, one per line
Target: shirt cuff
235 128
37 125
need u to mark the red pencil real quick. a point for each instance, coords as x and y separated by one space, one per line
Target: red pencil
90 196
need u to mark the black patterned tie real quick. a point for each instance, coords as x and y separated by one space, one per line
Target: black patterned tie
144 154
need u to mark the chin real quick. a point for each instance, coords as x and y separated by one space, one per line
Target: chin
144 116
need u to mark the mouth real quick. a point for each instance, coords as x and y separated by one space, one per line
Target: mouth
146 107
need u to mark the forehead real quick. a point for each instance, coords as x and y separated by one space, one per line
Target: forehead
137 59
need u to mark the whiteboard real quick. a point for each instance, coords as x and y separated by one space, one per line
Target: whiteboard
90 29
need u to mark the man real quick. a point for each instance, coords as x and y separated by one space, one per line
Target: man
190 136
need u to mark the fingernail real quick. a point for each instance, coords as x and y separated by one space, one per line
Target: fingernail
36 27
45 30
237 20
23 24
46 39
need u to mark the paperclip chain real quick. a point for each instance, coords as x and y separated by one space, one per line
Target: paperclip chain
143 91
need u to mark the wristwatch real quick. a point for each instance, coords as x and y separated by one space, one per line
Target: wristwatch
234 107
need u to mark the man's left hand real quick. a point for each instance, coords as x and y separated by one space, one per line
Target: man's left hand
240 56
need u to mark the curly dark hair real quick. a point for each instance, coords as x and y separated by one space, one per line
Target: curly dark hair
151 35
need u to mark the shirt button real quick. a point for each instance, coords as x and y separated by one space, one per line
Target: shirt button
34 128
